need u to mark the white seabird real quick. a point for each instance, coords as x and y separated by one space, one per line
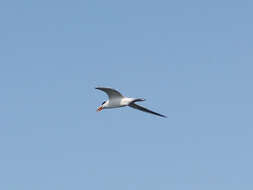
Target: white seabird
116 100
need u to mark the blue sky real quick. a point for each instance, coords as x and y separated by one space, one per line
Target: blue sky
191 60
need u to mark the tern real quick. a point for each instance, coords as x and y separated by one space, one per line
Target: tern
116 100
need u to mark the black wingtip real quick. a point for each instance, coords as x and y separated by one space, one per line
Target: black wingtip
164 116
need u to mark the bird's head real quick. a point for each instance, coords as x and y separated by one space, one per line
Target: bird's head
100 108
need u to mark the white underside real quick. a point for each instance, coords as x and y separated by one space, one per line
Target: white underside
118 102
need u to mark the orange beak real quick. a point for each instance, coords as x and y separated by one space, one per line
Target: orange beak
99 109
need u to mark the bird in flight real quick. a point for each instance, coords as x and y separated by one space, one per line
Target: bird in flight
116 100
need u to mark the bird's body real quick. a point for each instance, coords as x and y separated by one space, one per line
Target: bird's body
116 100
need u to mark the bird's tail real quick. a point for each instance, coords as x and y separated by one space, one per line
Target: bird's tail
138 100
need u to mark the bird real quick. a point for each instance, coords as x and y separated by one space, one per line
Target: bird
116 100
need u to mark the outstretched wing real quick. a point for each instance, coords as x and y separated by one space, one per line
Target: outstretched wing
135 106
112 93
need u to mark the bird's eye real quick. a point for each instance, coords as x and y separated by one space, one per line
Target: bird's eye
103 102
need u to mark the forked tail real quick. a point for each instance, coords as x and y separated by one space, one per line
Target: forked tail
138 100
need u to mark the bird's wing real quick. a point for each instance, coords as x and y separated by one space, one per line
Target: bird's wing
135 106
111 92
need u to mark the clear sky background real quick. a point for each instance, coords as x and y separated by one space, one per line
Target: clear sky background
191 60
